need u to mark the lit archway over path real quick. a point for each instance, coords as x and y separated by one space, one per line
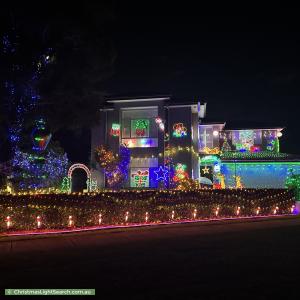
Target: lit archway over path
89 182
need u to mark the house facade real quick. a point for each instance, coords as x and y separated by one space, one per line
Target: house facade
169 142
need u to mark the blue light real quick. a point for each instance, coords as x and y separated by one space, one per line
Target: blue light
161 173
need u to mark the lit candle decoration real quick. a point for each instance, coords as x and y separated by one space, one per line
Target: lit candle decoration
257 211
126 216
173 214
100 219
195 213
8 222
217 211
147 217
71 222
39 222
275 210
238 211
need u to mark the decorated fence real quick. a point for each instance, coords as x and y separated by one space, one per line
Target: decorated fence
59 211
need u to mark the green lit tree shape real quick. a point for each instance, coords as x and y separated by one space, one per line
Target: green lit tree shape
65 186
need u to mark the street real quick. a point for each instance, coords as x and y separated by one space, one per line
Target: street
221 260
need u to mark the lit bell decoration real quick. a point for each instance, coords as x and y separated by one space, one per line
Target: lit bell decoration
40 136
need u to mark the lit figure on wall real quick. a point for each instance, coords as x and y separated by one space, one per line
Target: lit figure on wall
180 172
221 184
238 182
161 173
115 129
179 130
141 126
141 178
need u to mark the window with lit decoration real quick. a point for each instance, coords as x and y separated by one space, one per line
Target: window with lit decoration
139 128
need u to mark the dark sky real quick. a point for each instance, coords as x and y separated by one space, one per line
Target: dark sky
246 68
244 65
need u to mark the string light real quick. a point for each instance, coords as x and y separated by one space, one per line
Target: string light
157 203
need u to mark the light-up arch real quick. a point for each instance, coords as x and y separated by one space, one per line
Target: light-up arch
88 173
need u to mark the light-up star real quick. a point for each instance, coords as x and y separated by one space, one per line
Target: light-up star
161 173
205 170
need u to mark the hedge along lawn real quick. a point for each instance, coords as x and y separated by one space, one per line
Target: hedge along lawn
61 211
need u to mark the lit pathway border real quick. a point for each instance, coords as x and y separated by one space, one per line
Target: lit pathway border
134 225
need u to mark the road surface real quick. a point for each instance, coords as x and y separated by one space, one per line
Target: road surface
222 260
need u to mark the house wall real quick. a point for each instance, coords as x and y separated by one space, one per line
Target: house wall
258 174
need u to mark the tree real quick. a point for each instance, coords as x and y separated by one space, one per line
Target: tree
55 63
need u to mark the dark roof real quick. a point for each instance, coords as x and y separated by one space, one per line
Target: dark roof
168 99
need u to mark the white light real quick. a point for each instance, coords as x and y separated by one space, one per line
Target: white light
39 223
173 214
71 222
215 133
147 217
195 213
8 222
279 134
158 120
162 126
217 168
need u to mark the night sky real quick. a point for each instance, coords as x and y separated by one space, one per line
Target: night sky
246 68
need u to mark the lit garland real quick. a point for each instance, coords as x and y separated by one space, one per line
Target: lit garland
174 150
29 212
208 150
253 155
